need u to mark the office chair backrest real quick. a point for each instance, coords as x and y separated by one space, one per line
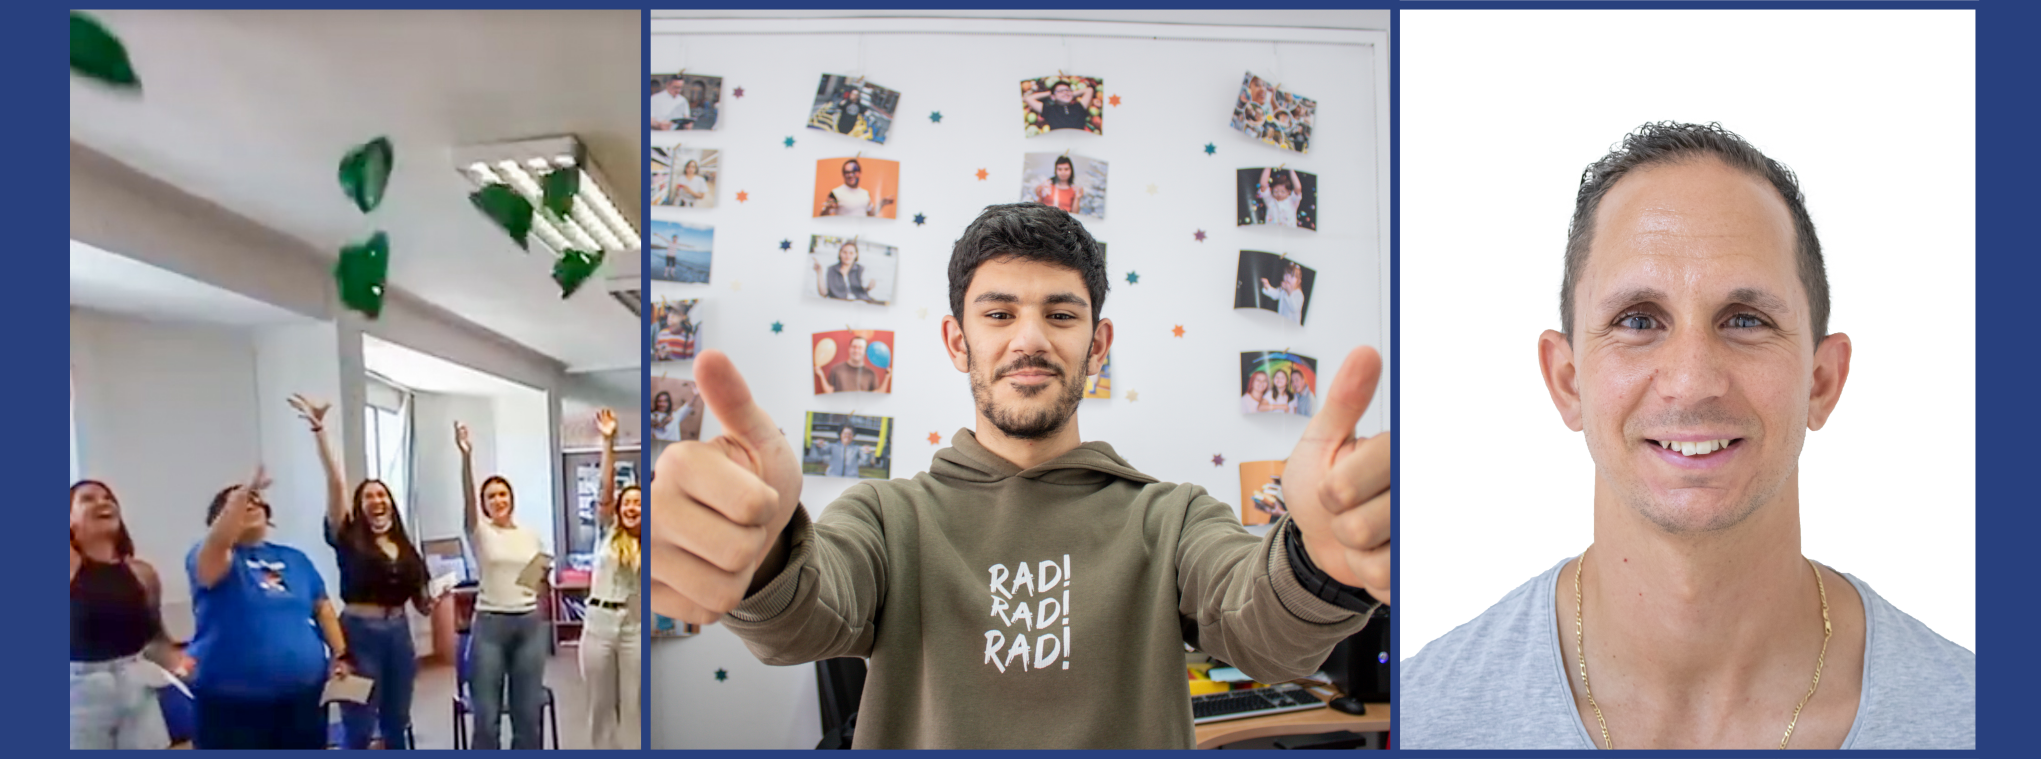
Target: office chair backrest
840 683
463 653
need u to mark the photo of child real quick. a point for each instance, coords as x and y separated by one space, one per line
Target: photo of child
1073 183
675 413
1100 385
1062 102
841 445
1277 197
853 107
843 268
1274 283
676 339
1274 116
681 252
1261 492
685 177
1276 382
848 361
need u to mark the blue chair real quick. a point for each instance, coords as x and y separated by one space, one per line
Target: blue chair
463 706
336 733
180 715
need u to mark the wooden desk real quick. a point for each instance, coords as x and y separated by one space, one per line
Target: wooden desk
1306 722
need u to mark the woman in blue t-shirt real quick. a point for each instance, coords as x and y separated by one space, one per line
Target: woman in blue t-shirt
264 634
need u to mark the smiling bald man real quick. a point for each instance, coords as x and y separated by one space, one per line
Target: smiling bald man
1695 357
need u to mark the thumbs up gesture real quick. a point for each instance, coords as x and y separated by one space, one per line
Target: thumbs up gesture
1337 487
718 507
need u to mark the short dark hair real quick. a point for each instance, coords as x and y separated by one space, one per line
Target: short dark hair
1032 232
1673 142
219 504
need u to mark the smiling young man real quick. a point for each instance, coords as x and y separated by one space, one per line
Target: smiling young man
1030 590
1695 357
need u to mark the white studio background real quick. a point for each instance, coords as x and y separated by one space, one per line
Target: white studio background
1501 111
1178 84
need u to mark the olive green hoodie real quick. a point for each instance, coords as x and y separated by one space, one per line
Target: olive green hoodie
1037 608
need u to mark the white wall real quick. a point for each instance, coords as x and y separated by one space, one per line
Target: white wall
526 438
303 359
436 475
1177 96
166 417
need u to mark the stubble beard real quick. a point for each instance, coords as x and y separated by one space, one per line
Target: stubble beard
1019 425
1673 519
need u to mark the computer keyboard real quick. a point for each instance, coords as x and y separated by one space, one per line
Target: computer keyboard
1275 699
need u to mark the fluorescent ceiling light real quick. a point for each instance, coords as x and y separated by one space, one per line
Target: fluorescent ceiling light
593 224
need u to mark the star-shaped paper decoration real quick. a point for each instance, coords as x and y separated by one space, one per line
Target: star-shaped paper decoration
786 245
743 196
1200 235
1178 331
736 285
1209 148
1133 278
776 327
1133 395
935 438
737 93
921 313
790 142
1115 100
722 675
981 175
1218 460
936 117
1152 189
920 219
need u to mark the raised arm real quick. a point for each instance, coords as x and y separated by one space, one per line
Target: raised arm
1296 186
605 504
314 415
1264 185
469 508
1034 99
217 552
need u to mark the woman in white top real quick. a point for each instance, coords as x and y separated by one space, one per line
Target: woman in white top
610 645
510 639
689 188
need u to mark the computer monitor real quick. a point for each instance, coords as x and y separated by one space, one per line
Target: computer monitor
1359 665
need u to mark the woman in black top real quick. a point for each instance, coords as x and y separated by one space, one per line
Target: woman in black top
380 573
116 621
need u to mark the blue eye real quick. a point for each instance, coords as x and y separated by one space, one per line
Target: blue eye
1637 321
1745 321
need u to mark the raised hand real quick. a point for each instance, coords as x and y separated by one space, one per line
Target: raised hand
718 507
606 423
461 438
1337 488
312 412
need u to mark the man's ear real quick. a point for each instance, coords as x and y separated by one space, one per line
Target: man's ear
1831 370
953 341
1101 346
1555 362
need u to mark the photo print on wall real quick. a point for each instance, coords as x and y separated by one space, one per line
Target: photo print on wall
681 252
841 445
1278 382
1274 283
685 102
675 412
676 330
1100 385
1261 492
854 107
1274 116
685 177
866 187
1276 197
853 361
1054 103
1073 183
848 268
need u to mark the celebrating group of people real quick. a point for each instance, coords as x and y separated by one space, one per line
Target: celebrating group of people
269 640
1278 390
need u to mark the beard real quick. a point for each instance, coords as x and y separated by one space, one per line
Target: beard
1025 425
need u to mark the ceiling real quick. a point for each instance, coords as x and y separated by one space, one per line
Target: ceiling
253 109
117 284
431 374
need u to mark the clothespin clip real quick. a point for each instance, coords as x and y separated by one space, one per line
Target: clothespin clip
1066 152
680 73
860 154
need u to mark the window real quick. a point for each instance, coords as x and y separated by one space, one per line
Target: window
387 427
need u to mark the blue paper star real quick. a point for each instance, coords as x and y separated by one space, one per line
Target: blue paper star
936 117
1133 278
1209 147
786 245
722 675
790 142
776 327
920 220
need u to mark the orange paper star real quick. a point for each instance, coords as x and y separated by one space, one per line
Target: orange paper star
935 439
743 196
1178 331
981 175
1115 100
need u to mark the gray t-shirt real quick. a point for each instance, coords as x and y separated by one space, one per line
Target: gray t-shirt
1500 682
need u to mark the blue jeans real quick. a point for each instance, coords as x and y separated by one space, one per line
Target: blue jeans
113 707
383 652
509 653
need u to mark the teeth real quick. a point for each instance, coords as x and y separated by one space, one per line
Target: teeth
1695 448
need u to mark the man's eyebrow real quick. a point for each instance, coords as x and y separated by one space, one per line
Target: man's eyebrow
1631 296
1067 298
994 296
1763 300
1058 299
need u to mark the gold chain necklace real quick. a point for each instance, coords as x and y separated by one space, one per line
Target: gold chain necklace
1827 631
